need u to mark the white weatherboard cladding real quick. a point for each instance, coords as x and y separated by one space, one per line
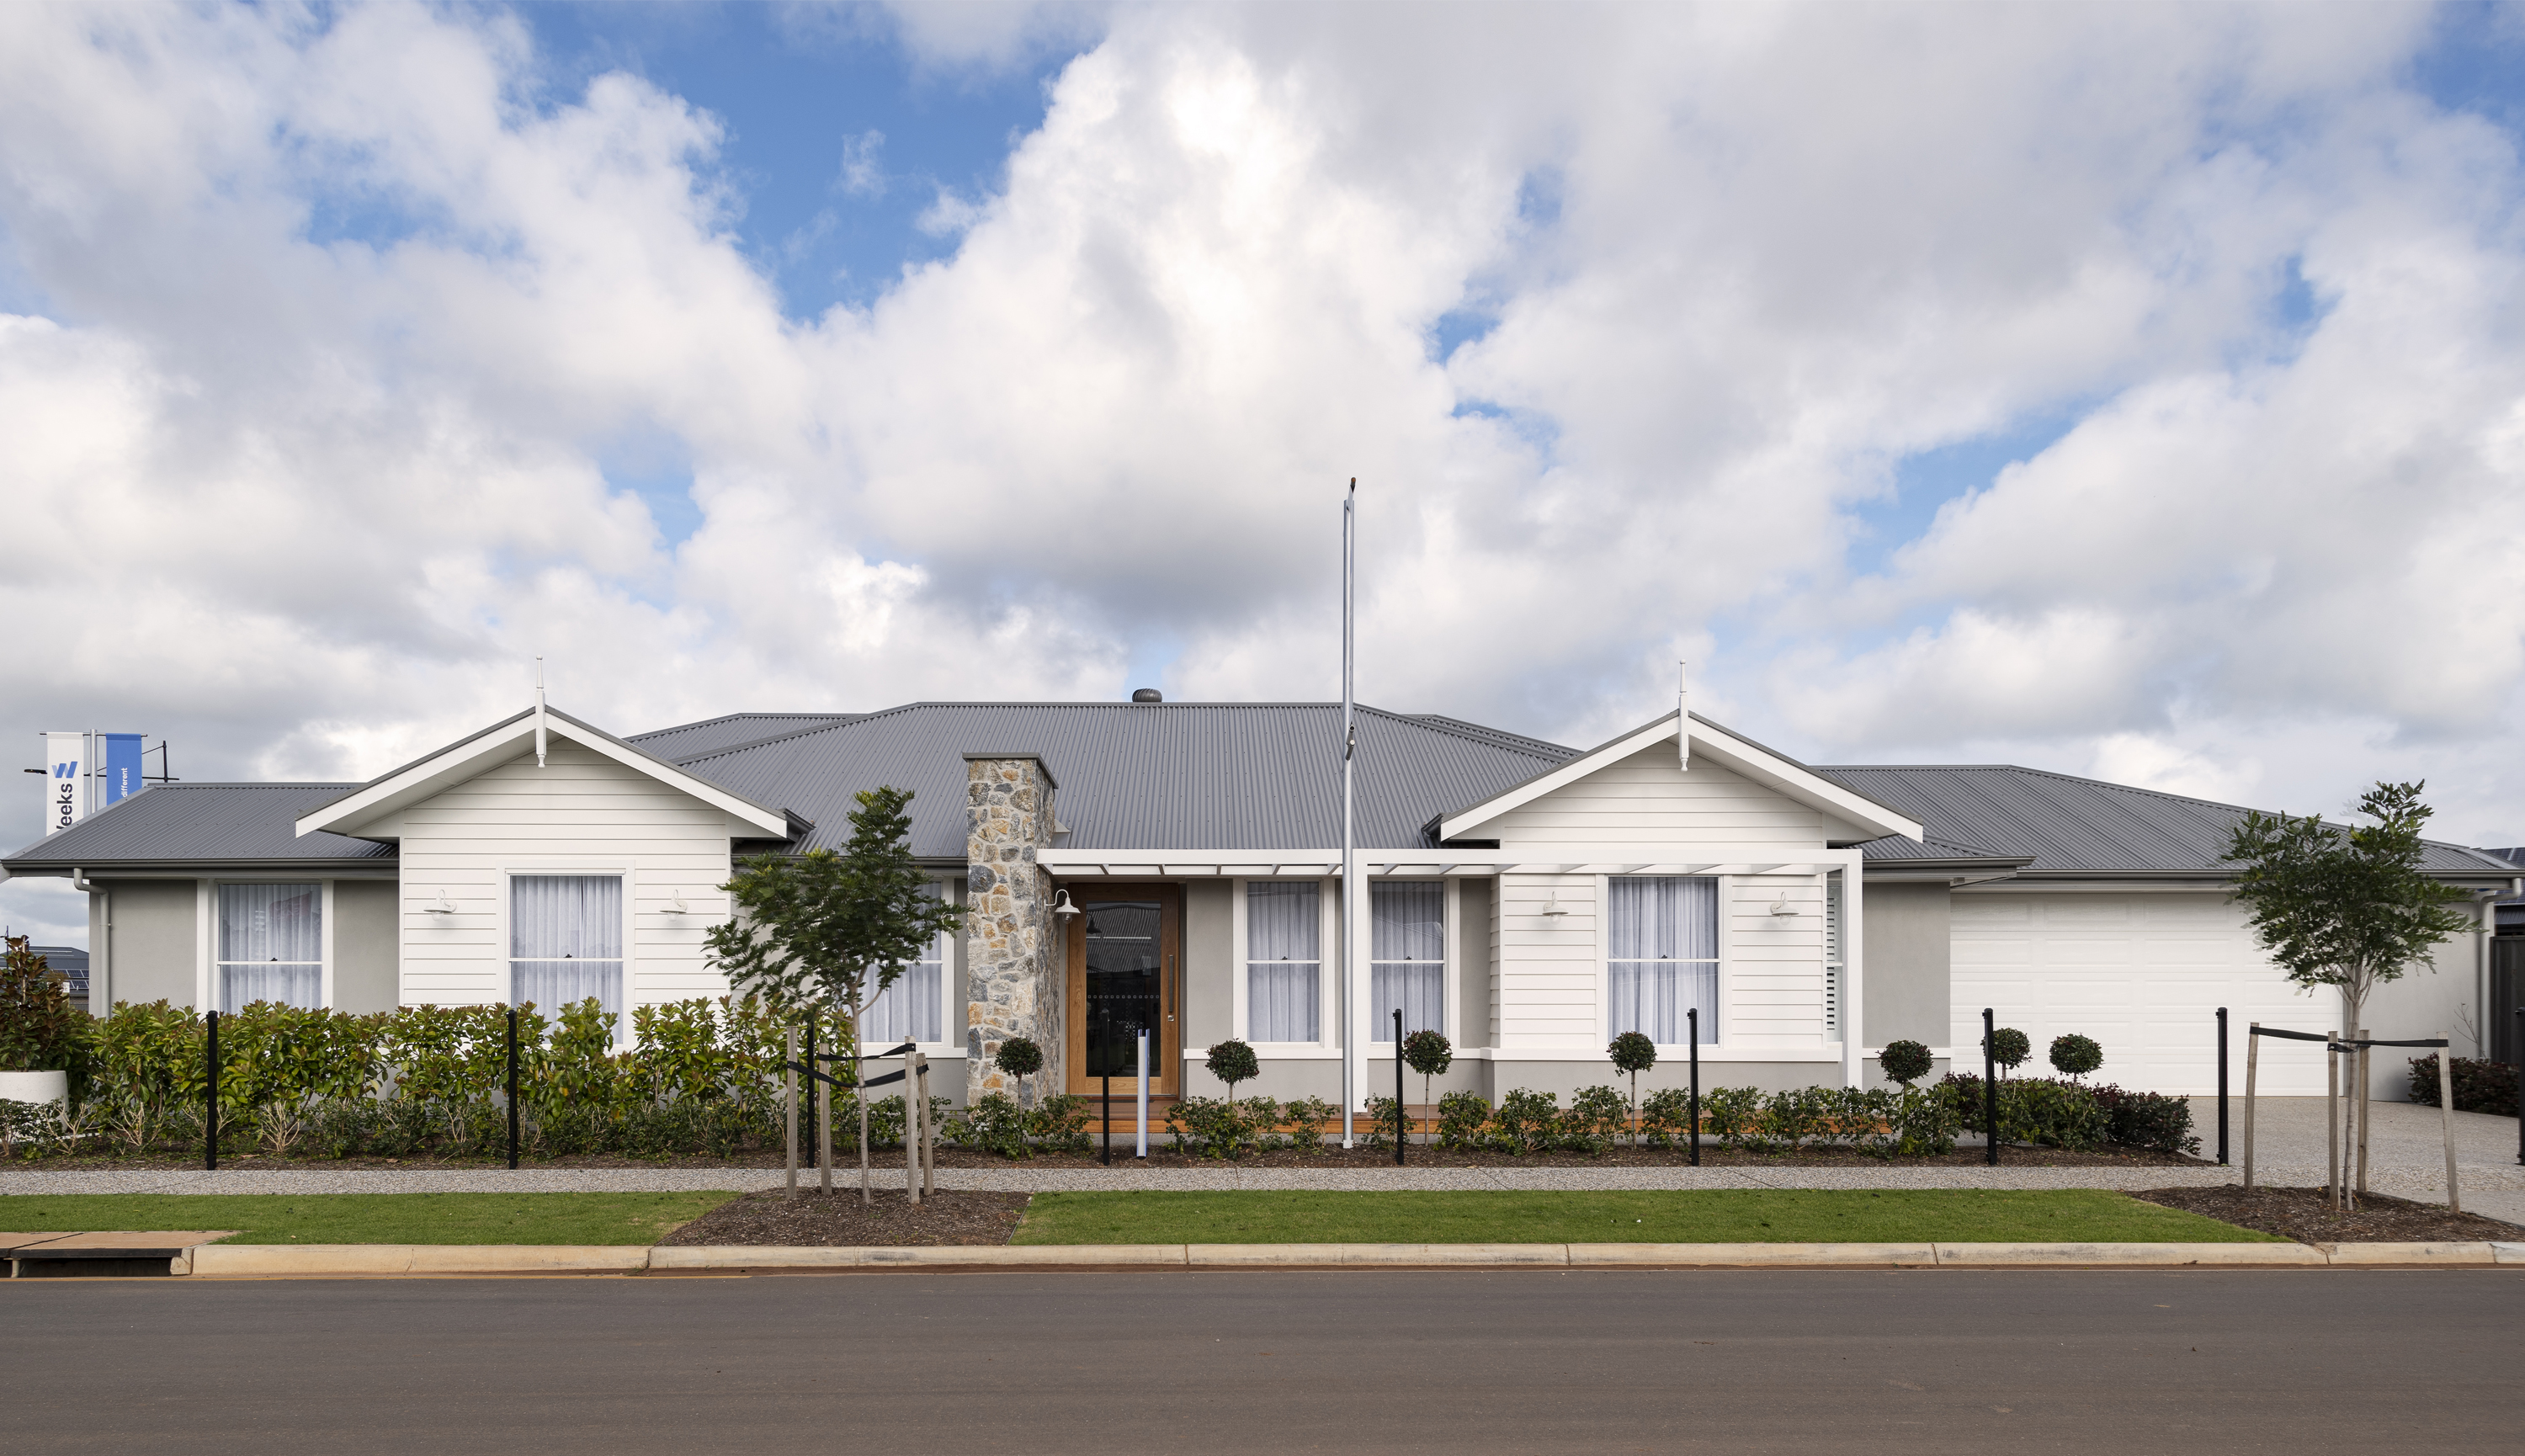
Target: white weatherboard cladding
581 813
2143 975
1550 982
1644 801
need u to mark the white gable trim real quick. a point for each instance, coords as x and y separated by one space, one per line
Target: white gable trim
468 758
1790 780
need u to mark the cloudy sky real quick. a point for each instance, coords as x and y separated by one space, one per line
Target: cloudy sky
2136 391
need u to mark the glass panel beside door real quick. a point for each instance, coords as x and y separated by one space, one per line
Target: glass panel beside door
1125 977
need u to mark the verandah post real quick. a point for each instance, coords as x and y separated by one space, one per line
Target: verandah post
1402 1124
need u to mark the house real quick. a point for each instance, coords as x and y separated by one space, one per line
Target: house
1176 866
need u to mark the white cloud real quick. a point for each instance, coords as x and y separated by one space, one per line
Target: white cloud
327 488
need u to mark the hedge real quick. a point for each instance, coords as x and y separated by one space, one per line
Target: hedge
2479 1085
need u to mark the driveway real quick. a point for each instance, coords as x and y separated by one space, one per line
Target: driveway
2405 1150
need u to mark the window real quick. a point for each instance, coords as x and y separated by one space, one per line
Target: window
272 945
908 1010
1836 960
1663 954
1283 961
1406 956
566 941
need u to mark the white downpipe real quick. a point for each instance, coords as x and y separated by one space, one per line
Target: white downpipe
1353 1067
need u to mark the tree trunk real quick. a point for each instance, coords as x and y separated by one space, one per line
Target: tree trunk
859 1085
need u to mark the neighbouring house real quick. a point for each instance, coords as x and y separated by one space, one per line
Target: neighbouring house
1173 867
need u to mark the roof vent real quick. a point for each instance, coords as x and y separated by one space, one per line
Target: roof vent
1148 695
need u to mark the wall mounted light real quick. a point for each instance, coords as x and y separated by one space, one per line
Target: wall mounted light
1781 906
1061 905
1552 906
443 907
676 906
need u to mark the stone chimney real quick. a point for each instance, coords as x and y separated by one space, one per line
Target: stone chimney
1016 969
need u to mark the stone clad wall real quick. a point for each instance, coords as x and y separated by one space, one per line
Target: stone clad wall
1015 976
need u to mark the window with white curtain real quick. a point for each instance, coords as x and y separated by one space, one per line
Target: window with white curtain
566 942
1406 956
909 1009
272 945
1284 961
1663 953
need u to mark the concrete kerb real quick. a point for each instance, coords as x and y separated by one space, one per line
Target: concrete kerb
284 1260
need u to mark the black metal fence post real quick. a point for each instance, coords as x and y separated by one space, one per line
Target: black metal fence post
513 1088
1692 1031
1990 1084
2222 1087
1402 1124
211 1113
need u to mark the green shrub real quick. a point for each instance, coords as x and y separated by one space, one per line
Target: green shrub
2035 1110
1733 1115
1212 1128
39 1030
1428 1053
994 1123
1598 1118
2008 1047
1464 1120
1305 1118
1382 1121
2148 1120
1906 1062
1794 1117
1526 1122
2479 1085
2075 1055
1665 1117
1058 1124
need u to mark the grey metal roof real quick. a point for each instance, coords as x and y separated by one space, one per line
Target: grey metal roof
2070 825
715 734
1930 849
1140 776
200 824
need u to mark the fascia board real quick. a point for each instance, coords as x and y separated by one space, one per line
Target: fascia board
477 755
1782 776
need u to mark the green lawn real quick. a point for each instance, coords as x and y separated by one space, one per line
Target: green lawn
371 1218
1704 1216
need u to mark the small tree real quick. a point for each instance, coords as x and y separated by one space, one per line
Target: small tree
2008 1047
39 1029
1633 1052
1232 1062
834 930
2073 1055
1906 1062
1428 1053
1020 1058
2348 908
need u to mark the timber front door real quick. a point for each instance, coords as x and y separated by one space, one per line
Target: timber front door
1126 974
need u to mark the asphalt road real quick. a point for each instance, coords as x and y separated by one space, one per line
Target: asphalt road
1559 1361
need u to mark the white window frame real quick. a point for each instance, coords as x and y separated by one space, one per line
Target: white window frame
624 1036
951 1012
206 934
1327 997
1725 938
1447 910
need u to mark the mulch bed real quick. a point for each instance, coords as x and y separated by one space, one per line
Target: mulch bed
950 1216
1164 1157
2302 1214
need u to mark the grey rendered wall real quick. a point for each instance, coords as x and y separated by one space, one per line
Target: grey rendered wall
1908 944
154 947
366 952
1210 963
1473 964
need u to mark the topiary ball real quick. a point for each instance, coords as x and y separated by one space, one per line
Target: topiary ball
2009 1048
1232 1062
1632 1052
1428 1053
1906 1062
2075 1055
1019 1057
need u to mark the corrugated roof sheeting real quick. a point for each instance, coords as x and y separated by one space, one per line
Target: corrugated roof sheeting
716 734
215 822
2068 824
1140 775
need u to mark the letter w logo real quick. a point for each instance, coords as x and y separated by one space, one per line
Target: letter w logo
65 770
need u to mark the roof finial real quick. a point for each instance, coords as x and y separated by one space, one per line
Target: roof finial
539 710
1683 715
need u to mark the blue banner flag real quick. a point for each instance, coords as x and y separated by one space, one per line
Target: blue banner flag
121 767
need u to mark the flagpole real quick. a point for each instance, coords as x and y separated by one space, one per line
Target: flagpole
1349 853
